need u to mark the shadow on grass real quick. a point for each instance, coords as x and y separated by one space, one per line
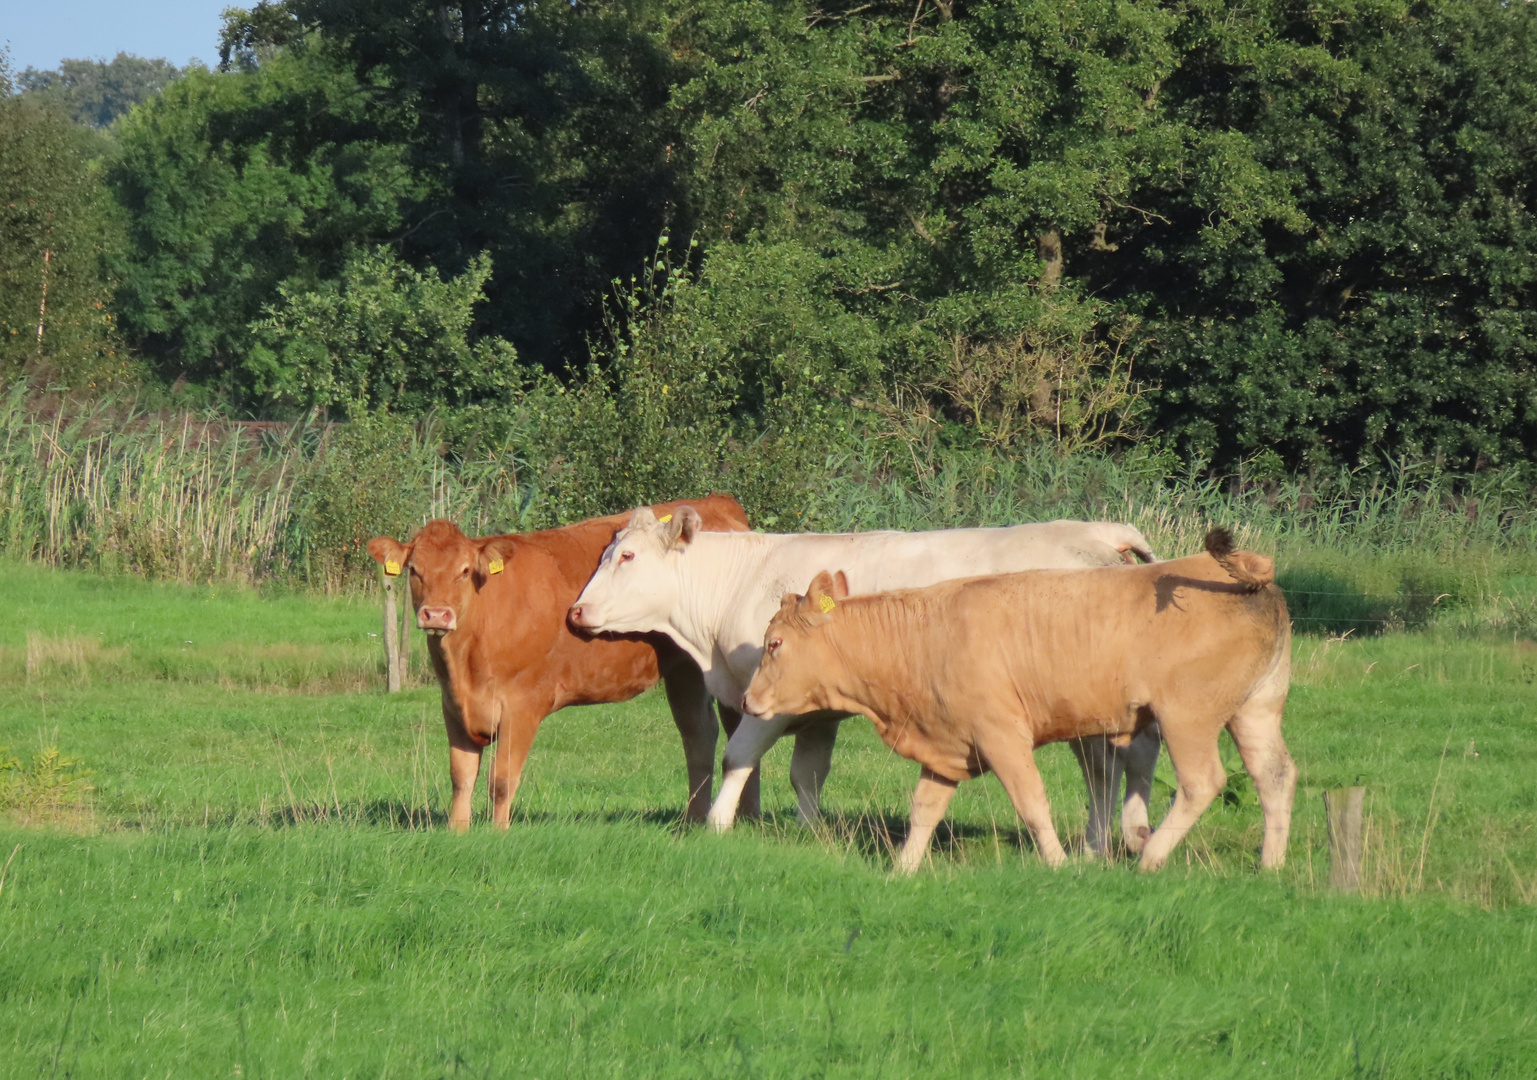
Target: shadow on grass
874 838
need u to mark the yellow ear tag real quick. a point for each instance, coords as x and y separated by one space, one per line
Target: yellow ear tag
827 603
664 519
392 568
496 566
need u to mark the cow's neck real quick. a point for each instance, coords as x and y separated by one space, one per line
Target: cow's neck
870 643
698 619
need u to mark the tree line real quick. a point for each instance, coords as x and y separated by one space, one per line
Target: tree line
1298 234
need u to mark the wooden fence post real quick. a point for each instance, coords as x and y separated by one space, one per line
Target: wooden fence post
391 636
1346 837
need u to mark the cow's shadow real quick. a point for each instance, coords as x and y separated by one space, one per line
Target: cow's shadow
872 836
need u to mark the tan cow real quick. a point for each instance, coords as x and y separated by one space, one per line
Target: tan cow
972 675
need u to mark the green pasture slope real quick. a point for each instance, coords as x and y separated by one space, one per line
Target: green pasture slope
260 885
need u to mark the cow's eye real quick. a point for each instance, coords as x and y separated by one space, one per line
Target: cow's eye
773 646
626 556
465 572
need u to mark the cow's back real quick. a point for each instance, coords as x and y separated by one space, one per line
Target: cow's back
879 562
1078 645
521 641
1070 652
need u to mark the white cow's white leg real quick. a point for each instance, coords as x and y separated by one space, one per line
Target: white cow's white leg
930 801
748 803
1101 764
1139 760
723 814
809 765
692 713
752 738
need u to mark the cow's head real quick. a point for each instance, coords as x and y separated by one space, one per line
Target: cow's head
792 676
634 589
446 569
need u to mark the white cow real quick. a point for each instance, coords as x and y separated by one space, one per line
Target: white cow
714 593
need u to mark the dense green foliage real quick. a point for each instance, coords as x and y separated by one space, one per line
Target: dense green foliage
97 92
235 186
261 879
1301 230
55 233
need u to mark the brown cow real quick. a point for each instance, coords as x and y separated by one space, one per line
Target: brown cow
494 610
974 674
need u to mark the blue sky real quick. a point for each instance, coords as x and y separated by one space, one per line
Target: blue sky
40 33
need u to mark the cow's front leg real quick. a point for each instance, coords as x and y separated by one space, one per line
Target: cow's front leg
930 801
750 803
744 749
809 765
691 712
1022 780
514 736
463 768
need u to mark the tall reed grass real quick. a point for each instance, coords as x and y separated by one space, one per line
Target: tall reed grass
193 499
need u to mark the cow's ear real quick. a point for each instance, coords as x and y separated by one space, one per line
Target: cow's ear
820 601
642 518
683 524
495 554
840 586
389 553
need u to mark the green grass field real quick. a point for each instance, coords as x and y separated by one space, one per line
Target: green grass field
260 885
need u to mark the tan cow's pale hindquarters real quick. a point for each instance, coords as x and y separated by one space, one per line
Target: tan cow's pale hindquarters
972 675
713 595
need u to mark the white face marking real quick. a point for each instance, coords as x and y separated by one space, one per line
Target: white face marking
633 589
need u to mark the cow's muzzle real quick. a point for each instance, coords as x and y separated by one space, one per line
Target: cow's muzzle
436 620
753 705
579 618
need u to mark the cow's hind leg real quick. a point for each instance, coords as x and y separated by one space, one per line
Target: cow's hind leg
744 750
1022 780
750 804
1101 764
514 737
809 765
1256 729
691 712
930 801
1139 760
1192 742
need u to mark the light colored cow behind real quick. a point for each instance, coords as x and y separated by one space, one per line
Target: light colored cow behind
970 676
714 594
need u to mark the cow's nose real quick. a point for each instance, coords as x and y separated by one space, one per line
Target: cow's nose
435 618
576 615
745 709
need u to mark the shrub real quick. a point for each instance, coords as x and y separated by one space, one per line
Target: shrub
382 336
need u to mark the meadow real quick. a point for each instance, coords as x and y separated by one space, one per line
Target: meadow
245 873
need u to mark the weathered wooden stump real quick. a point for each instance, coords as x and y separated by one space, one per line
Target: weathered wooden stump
1347 837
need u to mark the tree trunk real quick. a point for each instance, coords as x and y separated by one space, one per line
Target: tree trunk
1049 248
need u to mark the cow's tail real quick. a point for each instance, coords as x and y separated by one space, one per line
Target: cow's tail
1128 543
1252 571
1132 545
